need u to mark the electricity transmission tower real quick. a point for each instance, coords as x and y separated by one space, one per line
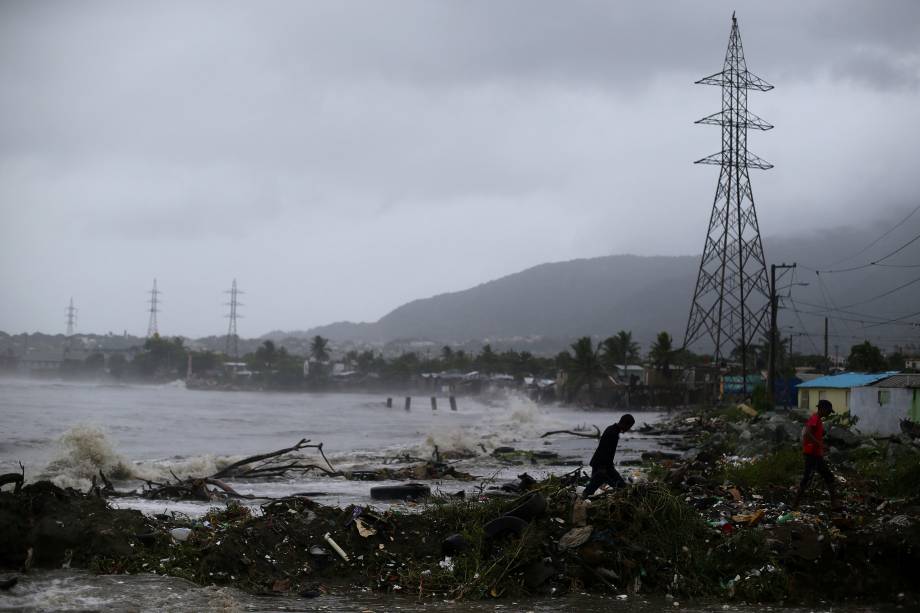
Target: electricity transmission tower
152 329
232 346
732 295
71 318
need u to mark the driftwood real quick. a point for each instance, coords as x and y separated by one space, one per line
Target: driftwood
273 464
595 434
17 479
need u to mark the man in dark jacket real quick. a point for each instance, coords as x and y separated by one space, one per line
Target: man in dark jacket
602 470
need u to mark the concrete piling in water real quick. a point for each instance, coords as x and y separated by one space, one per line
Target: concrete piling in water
389 403
453 403
408 402
434 403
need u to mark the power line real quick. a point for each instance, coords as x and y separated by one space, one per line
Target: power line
825 310
882 295
876 241
874 320
900 319
870 264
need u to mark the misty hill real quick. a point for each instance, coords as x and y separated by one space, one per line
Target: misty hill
598 296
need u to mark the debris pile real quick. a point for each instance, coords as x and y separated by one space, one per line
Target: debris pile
711 520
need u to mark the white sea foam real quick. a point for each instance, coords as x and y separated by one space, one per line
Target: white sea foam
508 419
82 452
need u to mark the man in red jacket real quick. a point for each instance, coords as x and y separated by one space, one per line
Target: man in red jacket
813 449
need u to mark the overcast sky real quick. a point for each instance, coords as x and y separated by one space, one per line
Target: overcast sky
340 158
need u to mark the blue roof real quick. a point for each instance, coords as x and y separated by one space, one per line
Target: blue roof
847 380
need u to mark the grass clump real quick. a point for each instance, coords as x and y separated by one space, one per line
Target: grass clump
783 467
890 470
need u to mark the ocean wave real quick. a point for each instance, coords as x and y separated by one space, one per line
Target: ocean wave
82 452
509 419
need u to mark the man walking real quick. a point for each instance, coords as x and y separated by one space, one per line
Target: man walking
602 470
813 450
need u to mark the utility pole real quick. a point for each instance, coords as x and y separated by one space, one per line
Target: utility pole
731 299
152 326
774 337
826 363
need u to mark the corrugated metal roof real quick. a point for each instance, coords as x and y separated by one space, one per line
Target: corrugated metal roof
847 380
899 381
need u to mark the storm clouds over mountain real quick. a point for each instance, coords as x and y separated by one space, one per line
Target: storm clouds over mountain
599 296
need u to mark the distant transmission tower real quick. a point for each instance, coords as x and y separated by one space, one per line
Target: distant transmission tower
152 329
71 318
731 299
232 347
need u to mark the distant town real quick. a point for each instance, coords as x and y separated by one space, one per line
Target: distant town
611 372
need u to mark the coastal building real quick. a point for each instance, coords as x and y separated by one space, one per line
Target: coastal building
836 388
882 405
631 374
734 385
40 362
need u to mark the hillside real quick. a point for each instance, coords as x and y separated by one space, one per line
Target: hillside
598 296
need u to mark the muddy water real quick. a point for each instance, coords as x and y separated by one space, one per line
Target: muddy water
78 591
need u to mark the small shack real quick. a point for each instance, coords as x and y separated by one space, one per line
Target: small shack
882 405
836 388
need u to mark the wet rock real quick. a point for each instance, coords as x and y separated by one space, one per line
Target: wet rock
537 573
532 506
659 455
842 437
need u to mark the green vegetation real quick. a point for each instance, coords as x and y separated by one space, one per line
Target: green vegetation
892 473
782 467
866 357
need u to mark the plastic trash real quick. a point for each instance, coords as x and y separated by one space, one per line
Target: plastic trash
181 534
363 529
335 547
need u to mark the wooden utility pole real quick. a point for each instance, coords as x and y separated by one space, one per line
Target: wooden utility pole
774 340
826 363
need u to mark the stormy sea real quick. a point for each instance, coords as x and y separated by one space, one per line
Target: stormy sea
67 432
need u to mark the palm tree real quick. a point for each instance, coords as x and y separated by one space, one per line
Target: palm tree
585 366
662 353
319 348
611 354
620 350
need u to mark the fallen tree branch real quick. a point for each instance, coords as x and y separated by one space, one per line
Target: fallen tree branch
597 433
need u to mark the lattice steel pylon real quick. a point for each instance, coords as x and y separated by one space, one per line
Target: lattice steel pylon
732 295
152 326
232 345
71 318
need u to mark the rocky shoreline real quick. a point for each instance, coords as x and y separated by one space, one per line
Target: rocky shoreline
712 520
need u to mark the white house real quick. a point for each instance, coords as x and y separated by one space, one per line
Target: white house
882 405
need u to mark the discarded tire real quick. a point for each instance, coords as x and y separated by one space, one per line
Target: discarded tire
408 491
504 526
533 506
454 544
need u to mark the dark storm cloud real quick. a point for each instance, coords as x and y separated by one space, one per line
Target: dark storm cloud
380 151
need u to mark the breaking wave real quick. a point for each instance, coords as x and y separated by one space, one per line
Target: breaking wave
82 452
509 419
